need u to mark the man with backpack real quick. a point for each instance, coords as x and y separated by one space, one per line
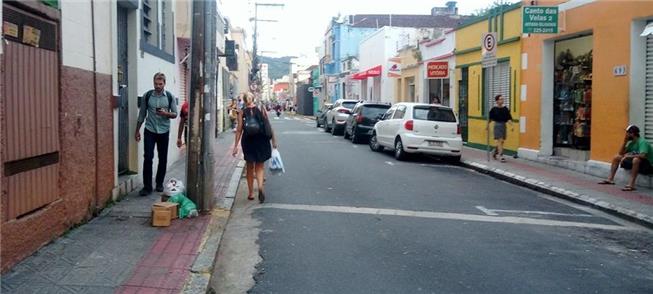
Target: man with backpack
157 110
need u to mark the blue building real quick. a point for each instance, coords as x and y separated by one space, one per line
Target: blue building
340 57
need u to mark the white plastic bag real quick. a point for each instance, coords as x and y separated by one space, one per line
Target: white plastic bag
174 187
276 164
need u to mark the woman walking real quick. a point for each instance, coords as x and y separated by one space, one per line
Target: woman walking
255 142
500 115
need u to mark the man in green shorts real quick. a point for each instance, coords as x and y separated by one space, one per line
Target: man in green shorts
635 155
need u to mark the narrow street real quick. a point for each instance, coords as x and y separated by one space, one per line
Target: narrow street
344 219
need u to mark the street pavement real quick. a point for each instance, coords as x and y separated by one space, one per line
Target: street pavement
120 252
344 219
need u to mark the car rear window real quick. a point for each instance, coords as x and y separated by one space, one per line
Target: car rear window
373 111
433 114
349 105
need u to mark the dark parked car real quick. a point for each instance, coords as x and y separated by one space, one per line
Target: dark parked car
360 124
320 117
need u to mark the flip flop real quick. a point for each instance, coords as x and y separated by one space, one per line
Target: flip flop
628 189
605 182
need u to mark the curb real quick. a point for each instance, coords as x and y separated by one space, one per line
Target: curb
534 184
202 268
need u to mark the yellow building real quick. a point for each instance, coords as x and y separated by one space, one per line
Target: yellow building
476 86
408 82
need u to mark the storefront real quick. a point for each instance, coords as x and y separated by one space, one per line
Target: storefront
405 71
585 84
437 82
476 86
572 103
370 85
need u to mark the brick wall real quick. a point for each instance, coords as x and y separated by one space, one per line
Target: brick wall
78 199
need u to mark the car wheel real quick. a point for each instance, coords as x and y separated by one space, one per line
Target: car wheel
374 144
354 138
333 128
345 133
317 123
400 154
326 126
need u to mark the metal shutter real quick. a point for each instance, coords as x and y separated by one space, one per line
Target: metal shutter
648 115
499 82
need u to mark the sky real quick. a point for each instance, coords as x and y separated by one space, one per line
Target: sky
302 23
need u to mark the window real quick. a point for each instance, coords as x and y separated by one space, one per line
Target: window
158 29
496 82
388 114
399 114
434 114
373 111
349 105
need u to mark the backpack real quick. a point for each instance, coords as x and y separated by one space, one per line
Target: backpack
251 122
149 94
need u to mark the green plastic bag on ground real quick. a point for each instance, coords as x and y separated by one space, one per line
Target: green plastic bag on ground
186 206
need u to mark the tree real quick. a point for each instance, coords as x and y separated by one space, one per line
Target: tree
496 5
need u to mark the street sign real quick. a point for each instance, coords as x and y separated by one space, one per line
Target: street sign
489 62
540 20
489 45
489 49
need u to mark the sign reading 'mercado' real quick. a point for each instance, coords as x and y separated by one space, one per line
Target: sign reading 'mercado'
437 70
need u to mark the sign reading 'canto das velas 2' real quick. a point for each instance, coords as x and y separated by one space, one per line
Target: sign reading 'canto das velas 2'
540 20
437 70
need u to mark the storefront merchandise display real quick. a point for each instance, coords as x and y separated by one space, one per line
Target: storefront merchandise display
573 100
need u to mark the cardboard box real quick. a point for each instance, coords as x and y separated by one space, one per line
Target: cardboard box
161 216
173 207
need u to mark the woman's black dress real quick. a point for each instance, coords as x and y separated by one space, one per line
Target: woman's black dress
256 148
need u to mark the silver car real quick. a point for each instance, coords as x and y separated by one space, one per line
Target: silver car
337 117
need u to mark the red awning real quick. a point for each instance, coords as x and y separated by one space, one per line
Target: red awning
372 72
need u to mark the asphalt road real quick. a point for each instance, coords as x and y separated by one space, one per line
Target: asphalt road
344 219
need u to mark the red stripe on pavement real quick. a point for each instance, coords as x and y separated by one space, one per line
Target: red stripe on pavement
166 265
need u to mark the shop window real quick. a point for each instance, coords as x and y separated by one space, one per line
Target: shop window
572 101
158 29
439 91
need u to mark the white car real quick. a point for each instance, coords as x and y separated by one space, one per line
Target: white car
337 116
418 128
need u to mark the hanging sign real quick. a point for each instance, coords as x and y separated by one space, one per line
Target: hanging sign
394 67
540 20
437 70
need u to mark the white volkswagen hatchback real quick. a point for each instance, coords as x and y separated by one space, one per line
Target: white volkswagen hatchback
418 128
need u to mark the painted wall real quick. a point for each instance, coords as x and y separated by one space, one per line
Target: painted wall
410 72
438 50
86 129
615 42
468 55
375 50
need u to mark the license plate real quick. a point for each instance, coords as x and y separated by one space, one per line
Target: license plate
435 144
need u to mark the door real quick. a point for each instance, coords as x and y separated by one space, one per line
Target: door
395 124
648 98
123 79
382 127
30 155
463 103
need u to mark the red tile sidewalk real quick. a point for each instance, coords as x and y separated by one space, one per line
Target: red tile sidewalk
638 202
166 265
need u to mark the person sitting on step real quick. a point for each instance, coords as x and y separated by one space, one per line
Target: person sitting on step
635 155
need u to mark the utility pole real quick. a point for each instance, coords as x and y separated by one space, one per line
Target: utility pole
202 96
254 79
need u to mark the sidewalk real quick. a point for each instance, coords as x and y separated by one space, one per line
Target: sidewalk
120 252
636 206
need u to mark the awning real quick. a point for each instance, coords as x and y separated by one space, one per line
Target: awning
372 72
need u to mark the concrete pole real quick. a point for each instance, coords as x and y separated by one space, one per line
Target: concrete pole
202 95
